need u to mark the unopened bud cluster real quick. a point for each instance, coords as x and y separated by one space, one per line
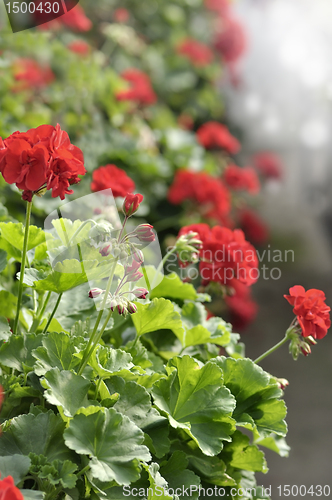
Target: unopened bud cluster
187 248
299 344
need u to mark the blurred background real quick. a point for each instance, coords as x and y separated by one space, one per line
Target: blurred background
134 82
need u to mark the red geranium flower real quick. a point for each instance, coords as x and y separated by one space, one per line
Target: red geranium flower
215 135
220 6
141 90
225 255
131 204
79 47
239 178
74 18
198 53
268 164
121 15
8 490
112 177
230 40
311 311
253 226
30 74
42 157
243 309
209 193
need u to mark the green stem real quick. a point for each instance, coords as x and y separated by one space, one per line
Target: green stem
40 313
24 253
80 229
89 348
53 312
274 348
83 471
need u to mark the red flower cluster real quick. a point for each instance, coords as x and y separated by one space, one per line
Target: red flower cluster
74 19
8 490
30 74
215 135
311 311
112 177
42 157
79 47
230 39
253 226
121 15
198 53
268 164
225 255
243 308
242 179
219 6
141 90
201 188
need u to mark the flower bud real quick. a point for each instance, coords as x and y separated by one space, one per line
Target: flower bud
131 204
121 308
105 251
144 232
95 292
101 231
140 293
138 256
131 307
282 383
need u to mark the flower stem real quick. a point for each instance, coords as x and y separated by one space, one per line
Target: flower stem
274 348
53 312
24 254
89 348
40 313
86 468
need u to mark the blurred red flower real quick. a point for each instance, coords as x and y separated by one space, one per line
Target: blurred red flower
220 6
121 15
209 193
198 53
225 255
215 135
74 19
230 39
79 47
238 178
311 311
42 157
114 178
243 309
269 164
253 226
140 90
8 490
30 74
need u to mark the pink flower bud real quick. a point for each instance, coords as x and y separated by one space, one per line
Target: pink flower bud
135 277
134 266
95 292
131 307
131 204
105 251
121 308
144 233
140 293
138 256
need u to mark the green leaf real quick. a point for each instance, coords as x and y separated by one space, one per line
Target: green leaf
172 287
178 476
158 315
14 234
135 402
60 473
157 439
194 399
8 304
256 393
5 332
57 351
107 361
3 260
158 485
17 351
243 455
112 441
33 495
66 389
41 434
16 466
275 443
